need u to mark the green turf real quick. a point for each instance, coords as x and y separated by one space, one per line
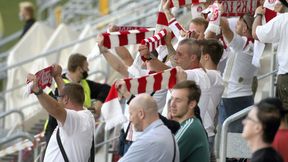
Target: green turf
9 10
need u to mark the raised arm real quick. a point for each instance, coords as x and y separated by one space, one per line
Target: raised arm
226 31
113 60
152 63
260 11
47 102
122 51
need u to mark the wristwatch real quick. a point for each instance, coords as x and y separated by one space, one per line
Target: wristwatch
258 14
39 92
149 58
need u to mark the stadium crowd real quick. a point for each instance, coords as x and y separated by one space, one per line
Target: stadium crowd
215 78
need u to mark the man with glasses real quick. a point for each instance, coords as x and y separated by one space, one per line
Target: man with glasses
239 71
77 73
260 127
75 125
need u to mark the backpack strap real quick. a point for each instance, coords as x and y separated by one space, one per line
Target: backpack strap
61 146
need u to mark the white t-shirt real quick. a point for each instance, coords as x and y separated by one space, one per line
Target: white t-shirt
76 135
239 71
274 31
216 91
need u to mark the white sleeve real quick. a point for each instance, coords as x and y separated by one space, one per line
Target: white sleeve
190 74
237 43
270 32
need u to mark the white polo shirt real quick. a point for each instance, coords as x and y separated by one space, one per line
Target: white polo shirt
239 71
276 31
76 135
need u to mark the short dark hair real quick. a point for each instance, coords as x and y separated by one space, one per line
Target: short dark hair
74 92
200 21
213 48
193 89
194 46
269 116
76 60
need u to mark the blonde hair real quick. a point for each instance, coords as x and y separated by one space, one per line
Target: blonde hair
26 4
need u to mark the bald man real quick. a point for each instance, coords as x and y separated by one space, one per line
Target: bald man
155 137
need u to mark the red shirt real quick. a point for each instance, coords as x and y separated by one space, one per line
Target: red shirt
280 143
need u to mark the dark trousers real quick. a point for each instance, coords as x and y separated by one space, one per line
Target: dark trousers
230 106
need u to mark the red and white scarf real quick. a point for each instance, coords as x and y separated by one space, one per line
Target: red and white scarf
155 41
126 37
111 109
44 78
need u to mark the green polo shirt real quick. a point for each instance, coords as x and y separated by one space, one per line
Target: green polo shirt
192 141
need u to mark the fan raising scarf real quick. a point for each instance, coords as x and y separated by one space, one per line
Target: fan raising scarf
111 109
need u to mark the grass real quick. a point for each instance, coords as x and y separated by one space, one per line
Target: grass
9 10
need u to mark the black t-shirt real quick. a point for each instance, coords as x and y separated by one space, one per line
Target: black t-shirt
266 155
27 26
98 91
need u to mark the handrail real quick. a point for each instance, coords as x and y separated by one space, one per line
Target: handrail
55 50
267 75
19 135
10 38
106 142
23 85
4 114
224 131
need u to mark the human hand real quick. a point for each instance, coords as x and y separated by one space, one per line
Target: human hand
122 89
112 28
100 40
168 38
56 70
143 50
181 74
31 78
260 10
166 5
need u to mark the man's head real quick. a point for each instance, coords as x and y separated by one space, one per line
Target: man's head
188 54
244 25
72 96
184 98
143 111
262 122
78 65
198 25
212 51
280 6
26 11
285 3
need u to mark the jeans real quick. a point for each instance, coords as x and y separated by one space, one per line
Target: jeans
230 106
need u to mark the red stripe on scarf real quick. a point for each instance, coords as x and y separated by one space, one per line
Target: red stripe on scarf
158 79
172 79
142 85
106 41
123 38
162 20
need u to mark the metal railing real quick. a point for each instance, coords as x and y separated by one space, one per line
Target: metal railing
235 117
224 131
10 38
